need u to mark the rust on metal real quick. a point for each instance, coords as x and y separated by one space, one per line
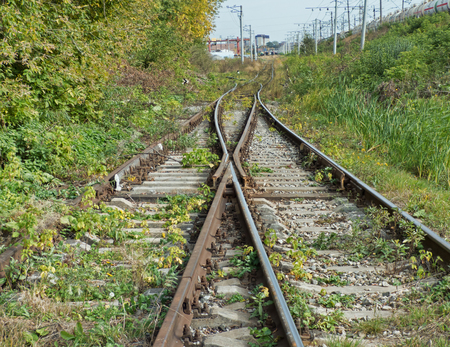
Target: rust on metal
284 314
245 138
219 131
350 182
184 303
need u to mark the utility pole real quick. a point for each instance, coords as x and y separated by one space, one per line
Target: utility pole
251 44
242 39
298 37
381 12
256 51
363 32
360 14
249 28
348 14
320 29
331 23
335 27
304 38
234 9
315 36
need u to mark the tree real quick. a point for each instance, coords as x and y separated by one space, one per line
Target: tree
307 45
57 55
274 44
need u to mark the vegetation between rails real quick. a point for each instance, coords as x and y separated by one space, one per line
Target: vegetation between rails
100 296
84 86
383 114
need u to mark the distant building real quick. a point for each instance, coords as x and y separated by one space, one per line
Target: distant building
261 40
223 44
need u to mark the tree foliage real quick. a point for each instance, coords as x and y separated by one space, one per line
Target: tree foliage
57 55
273 44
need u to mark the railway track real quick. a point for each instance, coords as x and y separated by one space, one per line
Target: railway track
283 251
310 228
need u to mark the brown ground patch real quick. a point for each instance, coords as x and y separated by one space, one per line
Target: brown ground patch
150 80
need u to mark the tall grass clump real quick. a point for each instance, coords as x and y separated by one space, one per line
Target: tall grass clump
414 134
393 95
381 56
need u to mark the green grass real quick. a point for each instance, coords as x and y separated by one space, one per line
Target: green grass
45 314
401 150
412 133
392 95
45 161
422 322
419 197
84 297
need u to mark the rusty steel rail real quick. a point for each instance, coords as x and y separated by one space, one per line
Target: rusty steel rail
289 327
350 182
104 189
244 140
181 312
282 308
146 158
225 156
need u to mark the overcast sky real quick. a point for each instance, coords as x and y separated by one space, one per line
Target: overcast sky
277 18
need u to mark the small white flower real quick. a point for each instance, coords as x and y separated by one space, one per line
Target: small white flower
111 295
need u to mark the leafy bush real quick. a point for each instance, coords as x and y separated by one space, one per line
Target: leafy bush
379 56
199 156
201 59
418 127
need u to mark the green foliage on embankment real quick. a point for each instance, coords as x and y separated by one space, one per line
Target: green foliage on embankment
382 113
84 84
392 96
